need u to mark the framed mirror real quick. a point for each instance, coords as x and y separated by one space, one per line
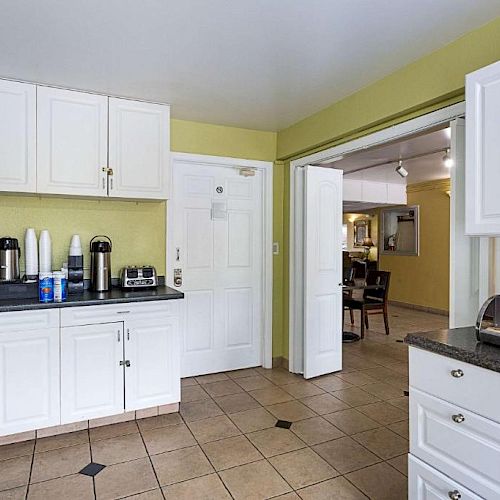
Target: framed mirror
399 231
361 231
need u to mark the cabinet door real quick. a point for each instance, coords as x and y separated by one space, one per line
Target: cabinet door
72 137
482 98
153 350
17 137
29 380
139 149
91 371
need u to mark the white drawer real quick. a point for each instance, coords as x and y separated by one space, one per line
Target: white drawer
476 390
426 483
90 315
457 442
29 320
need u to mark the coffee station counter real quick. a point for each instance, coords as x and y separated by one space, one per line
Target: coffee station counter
116 295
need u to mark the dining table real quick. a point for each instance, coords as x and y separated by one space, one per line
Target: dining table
348 336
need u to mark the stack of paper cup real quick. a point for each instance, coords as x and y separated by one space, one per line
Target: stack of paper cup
31 253
45 252
75 247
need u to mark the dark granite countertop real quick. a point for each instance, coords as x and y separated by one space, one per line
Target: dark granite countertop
89 298
460 344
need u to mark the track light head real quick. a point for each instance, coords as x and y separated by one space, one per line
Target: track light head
448 160
401 170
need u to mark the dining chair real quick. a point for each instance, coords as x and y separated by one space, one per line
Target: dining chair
373 302
349 275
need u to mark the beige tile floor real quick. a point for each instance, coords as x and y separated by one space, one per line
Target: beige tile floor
348 438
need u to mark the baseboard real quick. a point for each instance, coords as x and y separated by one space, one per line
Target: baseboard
417 307
280 362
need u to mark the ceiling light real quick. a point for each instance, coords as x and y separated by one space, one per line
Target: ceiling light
448 160
401 170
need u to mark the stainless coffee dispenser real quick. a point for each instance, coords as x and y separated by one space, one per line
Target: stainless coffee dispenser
100 263
9 259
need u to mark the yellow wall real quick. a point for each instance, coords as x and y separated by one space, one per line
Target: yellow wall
424 280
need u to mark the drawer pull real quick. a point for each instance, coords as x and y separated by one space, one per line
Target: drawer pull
457 373
458 418
454 495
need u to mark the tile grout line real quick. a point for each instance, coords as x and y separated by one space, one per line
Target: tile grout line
31 470
91 460
150 460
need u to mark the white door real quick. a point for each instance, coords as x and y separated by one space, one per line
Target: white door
72 142
322 271
139 147
29 380
17 137
217 243
153 353
482 99
91 371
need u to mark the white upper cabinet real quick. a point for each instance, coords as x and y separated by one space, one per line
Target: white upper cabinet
139 147
17 137
482 96
72 142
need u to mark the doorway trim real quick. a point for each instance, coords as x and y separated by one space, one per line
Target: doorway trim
295 293
266 167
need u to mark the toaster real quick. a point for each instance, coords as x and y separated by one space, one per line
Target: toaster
138 277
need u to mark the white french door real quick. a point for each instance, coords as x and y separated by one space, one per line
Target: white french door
322 250
216 247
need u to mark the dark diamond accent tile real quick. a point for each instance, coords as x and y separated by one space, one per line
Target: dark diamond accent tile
406 393
284 424
92 469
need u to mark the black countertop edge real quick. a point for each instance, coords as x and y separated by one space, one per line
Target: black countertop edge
460 344
89 298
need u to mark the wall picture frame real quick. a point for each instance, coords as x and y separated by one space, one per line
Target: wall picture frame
362 228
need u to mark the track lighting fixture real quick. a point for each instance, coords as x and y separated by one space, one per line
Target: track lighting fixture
401 170
448 160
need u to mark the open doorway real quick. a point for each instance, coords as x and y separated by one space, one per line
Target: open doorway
371 184
409 241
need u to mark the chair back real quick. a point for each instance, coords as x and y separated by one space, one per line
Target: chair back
349 275
381 278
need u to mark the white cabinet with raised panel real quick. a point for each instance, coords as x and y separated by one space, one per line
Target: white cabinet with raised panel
482 168
118 358
29 371
72 142
17 137
91 371
152 374
139 149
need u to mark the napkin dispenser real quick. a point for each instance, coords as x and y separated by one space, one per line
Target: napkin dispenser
488 321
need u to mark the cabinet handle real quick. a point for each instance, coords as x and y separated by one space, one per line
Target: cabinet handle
125 363
122 312
111 183
457 373
454 495
458 419
119 336
128 334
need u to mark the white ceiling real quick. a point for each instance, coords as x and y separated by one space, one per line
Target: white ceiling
426 168
261 64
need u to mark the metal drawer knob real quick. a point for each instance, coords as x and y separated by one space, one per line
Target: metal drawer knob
458 418
457 373
454 495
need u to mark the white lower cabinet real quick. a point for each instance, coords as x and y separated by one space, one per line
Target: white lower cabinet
29 379
454 429
152 373
91 371
130 362
426 483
